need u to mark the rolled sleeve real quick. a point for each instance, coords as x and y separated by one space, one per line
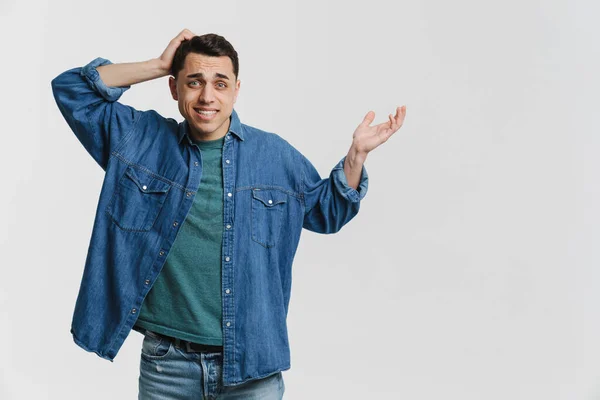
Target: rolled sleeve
345 190
92 77
92 111
330 203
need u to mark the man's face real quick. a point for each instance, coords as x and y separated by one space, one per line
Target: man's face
204 85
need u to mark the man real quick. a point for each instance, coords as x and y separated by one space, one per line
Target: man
198 222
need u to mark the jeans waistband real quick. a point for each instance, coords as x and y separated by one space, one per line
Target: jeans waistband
190 347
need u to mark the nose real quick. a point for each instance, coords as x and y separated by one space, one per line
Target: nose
207 95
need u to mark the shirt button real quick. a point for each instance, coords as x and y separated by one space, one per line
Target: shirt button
228 226
196 163
229 195
227 291
270 201
144 187
133 311
189 194
162 253
227 161
147 281
228 324
227 258
175 223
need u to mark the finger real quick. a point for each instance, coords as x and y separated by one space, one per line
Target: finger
384 126
397 121
189 35
185 34
400 113
181 35
368 119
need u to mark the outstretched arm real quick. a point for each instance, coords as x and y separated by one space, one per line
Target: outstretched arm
331 202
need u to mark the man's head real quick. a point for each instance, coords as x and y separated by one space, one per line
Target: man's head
205 71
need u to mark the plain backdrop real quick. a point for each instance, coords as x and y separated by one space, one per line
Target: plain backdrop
471 271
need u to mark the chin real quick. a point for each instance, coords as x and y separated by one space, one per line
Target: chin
204 129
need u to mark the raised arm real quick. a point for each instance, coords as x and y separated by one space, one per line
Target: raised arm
127 74
332 202
87 98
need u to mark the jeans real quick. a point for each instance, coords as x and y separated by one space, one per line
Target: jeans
168 372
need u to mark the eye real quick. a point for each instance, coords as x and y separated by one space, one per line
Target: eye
192 83
222 83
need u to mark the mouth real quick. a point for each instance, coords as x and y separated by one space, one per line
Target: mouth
206 115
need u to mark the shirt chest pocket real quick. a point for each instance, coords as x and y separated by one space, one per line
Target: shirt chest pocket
268 206
137 200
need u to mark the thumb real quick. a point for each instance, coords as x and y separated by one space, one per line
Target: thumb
368 119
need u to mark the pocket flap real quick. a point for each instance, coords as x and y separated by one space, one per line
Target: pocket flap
146 182
269 197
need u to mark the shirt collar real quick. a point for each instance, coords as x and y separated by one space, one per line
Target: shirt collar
235 127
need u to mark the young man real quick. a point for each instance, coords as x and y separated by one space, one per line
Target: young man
198 222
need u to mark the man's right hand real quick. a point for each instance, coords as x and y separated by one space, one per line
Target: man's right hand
166 58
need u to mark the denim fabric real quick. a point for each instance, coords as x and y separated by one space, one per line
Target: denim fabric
152 174
168 373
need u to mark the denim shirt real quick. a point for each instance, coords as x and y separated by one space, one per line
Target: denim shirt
152 174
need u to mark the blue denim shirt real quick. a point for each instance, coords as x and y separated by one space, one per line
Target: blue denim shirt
152 173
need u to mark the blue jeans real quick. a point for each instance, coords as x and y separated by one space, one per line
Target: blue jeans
168 372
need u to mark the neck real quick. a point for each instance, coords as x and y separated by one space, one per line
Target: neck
219 133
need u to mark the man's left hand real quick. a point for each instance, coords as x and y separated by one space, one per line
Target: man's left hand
367 138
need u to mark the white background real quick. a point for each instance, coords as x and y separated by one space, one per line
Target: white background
471 271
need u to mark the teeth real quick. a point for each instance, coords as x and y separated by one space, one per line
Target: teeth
207 112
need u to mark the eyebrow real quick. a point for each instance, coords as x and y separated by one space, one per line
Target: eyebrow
200 75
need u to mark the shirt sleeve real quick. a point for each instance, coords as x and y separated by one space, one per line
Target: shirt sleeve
330 203
92 111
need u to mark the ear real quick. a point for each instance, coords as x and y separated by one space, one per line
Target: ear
173 87
237 90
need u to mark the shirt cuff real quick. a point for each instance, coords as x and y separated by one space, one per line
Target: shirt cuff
91 75
341 183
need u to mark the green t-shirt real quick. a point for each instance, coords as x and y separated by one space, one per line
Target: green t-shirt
185 300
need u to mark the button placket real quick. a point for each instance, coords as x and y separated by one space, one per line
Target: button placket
229 188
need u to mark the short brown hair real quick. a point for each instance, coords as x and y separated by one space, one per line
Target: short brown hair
209 44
